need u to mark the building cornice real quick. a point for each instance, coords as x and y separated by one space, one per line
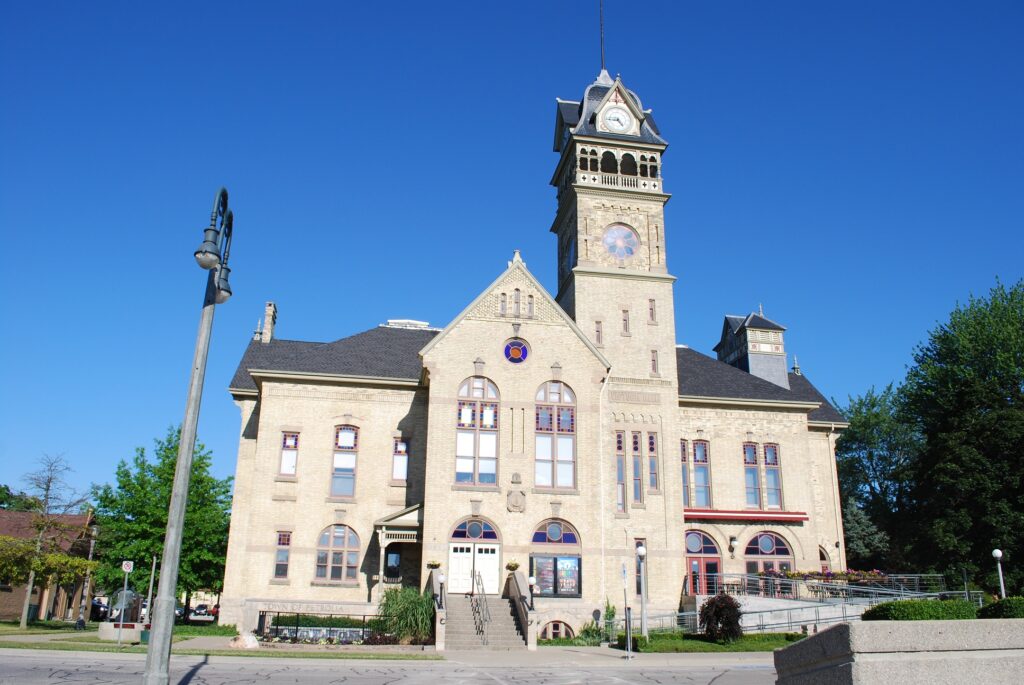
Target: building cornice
261 374
744 402
623 273
830 426
583 189
244 392
617 143
743 515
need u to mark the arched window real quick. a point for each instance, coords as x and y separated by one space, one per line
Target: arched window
700 544
529 306
337 554
583 159
825 561
516 302
703 564
503 305
628 165
476 437
609 165
474 529
556 630
556 565
768 552
772 476
555 436
653 161
643 165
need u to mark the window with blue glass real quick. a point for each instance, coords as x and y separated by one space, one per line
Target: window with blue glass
558 572
516 351
476 435
474 529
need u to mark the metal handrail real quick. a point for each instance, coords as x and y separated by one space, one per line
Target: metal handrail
520 602
809 589
478 602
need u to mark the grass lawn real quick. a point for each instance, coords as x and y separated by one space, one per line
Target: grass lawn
36 627
679 642
63 646
200 630
95 639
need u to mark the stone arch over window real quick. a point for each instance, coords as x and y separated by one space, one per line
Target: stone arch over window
476 435
555 436
555 532
824 560
337 554
699 543
475 528
609 165
768 551
555 630
628 165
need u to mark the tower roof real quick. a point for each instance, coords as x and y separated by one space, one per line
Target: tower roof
581 116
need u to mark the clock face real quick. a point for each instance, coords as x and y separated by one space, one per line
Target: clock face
617 119
620 241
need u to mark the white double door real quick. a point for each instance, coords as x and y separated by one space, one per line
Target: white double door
466 559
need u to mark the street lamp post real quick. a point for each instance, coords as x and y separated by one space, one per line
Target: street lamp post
641 553
997 554
212 256
82 617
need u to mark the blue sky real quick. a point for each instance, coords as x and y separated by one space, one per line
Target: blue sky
858 168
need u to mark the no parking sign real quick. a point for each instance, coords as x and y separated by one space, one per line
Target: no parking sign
127 566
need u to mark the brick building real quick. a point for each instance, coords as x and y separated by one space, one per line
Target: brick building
558 431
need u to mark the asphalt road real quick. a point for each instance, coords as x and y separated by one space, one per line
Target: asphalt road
24 667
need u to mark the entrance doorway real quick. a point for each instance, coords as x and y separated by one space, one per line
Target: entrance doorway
703 564
474 548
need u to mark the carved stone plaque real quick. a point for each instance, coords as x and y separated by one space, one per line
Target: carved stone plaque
516 501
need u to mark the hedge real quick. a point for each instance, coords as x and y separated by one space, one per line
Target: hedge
921 610
1011 607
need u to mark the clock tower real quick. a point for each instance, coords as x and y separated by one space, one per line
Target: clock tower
612 273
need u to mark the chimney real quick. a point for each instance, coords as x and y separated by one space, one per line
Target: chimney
269 319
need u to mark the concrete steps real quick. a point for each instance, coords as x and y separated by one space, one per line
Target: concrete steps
502 634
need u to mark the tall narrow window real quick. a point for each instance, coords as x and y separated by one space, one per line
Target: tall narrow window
772 476
555 436
516 302
598 333
400 461
289 454
751 477
652 314
654 361
476 436
701 474
653 480
503 304
638 469
346 446
625 321
337 554
620 471
529 306
284 541
684 460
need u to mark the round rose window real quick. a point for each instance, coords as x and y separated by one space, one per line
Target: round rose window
620 241
516 351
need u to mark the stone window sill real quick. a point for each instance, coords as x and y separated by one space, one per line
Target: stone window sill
622 515
638 505
280 581
475 488
334 583
654 492
283 478
399 483
555 491
340 499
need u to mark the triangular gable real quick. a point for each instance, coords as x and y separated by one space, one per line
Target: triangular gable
620 96
410 517
487 306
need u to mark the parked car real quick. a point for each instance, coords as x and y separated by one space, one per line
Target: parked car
98 611
201 609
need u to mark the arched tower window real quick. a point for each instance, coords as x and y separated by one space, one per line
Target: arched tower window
609 165
555 436
337 554
643 165
503 304
529 306
476 436
628 165
516 302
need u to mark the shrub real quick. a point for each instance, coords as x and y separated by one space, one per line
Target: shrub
639 642
720 618
1011 607
921 610
408 614
609 619
315 621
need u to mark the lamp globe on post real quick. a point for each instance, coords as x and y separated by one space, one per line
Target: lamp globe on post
997 554
641 553
533 586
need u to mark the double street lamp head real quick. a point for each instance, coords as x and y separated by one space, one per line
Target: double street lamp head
208 254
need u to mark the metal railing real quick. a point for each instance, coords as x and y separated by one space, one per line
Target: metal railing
478 603
336 628
818 591
520 602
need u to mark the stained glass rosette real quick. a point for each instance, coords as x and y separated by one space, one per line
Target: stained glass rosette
516 351
621 242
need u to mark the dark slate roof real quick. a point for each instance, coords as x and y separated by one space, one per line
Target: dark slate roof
802 388
382 352
758 321
586 125
704 376
570 112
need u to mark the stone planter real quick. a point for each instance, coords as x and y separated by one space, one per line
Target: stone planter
907 652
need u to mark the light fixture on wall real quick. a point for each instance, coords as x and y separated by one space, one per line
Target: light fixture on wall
733 541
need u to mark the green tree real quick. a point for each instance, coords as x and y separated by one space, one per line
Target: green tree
132 516
52 499
965 396
865 543
874 457
16 501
